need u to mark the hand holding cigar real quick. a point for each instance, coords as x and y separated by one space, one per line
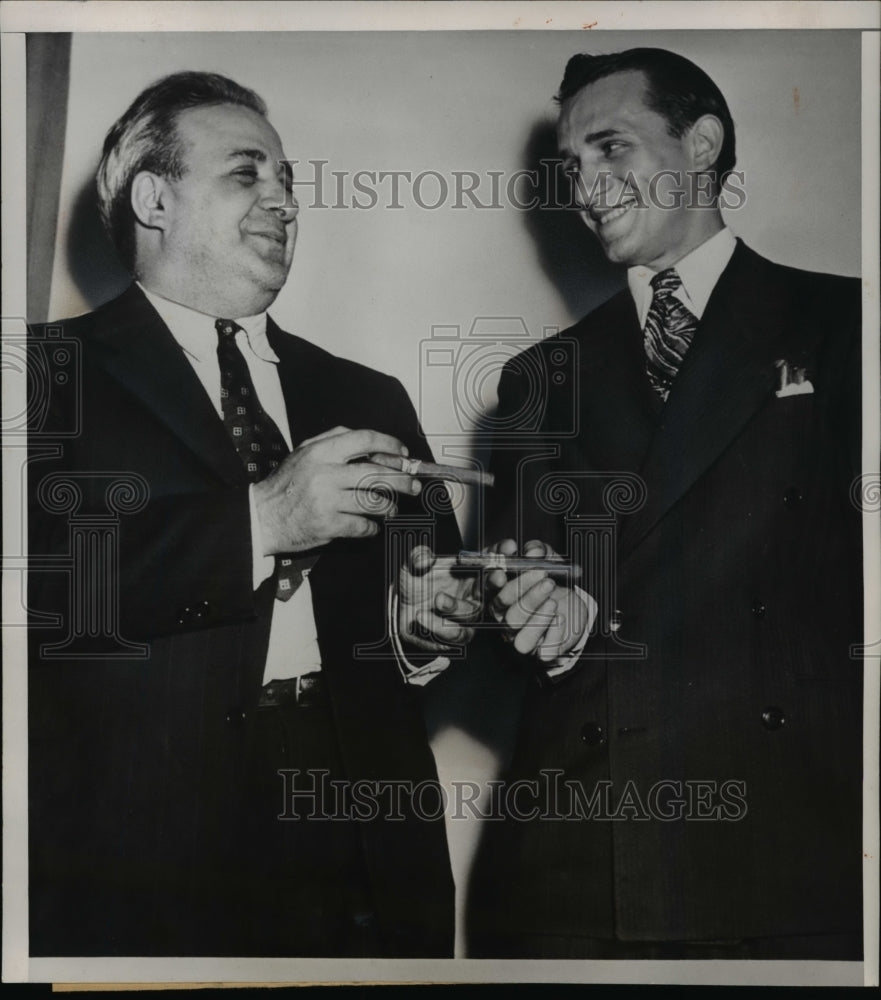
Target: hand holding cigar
431 470
487 562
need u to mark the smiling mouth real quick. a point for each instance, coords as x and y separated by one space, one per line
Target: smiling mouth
274 236
610 215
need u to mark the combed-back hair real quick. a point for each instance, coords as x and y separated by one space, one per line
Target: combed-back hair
676 89
146 138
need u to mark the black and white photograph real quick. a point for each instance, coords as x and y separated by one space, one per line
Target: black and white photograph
441 492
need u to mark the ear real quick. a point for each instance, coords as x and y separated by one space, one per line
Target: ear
150 199
706 136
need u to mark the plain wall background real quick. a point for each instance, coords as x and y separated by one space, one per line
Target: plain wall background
371 284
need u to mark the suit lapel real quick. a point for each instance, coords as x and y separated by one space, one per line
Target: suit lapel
137 349
305 398
727 375
618 410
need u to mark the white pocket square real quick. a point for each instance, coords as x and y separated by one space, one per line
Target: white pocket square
796 389
792 380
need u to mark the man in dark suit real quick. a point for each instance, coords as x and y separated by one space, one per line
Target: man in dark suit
216 680
698 770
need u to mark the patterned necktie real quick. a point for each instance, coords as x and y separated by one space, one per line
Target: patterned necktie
669 328
254 433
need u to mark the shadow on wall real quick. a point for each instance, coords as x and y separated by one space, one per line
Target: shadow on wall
93 263
570 256
483 695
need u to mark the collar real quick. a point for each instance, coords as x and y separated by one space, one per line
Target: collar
699 271
195 332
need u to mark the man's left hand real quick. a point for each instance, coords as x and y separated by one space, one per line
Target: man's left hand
543 619
437 610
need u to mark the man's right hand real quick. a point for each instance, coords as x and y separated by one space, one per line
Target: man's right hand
318 493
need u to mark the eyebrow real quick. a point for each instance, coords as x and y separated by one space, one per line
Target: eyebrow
591 138
606 133
247 154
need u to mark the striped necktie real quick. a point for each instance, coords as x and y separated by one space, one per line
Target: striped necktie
254 433
669 328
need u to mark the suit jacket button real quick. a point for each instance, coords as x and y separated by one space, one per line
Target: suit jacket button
235 716
758 609
792 497
773 718
593 734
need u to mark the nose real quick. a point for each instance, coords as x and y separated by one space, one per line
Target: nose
588 185
279 199
288 210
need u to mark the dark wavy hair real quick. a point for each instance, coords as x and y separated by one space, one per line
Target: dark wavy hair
676 89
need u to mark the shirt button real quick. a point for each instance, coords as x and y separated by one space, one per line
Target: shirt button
593 734
792 497
758 609
773 718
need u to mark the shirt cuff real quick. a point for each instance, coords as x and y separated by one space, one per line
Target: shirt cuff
420 676
262 566
563 664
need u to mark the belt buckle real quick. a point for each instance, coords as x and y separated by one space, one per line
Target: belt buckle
301 691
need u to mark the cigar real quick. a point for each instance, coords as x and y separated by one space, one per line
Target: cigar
480 562
430 470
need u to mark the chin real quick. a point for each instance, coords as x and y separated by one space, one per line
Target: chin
617 254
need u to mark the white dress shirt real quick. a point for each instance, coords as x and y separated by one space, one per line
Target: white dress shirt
293 637
699 271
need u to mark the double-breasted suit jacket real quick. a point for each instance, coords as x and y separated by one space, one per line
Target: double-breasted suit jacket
717 705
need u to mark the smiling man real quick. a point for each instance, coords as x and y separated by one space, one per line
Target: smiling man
697 772
197 711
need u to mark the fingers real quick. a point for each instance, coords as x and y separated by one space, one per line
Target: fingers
353 444
522 596
532 633
421 560
434 626
537 549
498 577
352 526
526 606
366 476
456 608
556 641
366 503
333 432
573 617
507 546
395 462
